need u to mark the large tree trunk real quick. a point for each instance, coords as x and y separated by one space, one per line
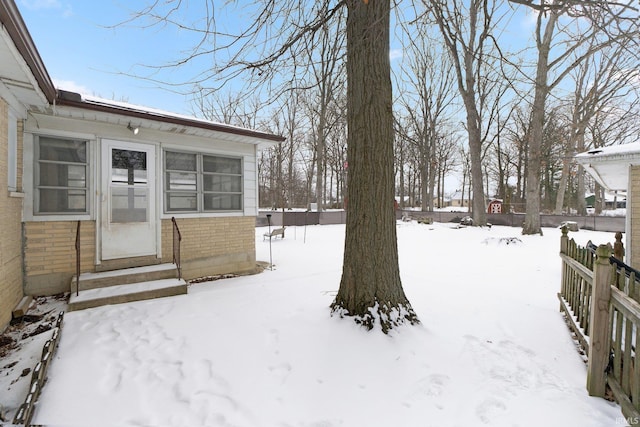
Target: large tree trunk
532 216
432 177
581 203
401 172
562 186
320 149
426 206
370 289
478 208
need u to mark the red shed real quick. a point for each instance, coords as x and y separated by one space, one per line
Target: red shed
495 206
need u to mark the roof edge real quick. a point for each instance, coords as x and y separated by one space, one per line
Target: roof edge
72 99
12 20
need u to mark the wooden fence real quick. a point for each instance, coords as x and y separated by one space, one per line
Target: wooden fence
601 298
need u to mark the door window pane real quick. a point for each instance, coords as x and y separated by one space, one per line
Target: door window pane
129 204
128 166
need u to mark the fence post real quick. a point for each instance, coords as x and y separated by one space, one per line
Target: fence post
599 338
564 245
564 240
618 247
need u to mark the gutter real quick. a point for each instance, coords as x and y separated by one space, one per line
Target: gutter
72 99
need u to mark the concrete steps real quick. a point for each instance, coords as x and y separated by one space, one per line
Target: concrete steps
125 285
124 276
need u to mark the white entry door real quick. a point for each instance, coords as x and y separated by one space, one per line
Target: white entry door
129 217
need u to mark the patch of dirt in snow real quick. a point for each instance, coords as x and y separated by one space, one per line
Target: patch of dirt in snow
21 346
502 241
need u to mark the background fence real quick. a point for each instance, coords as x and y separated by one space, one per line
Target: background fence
597 223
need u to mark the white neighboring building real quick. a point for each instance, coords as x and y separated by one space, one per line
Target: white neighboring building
617 168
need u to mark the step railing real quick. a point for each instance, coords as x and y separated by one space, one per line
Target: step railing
78 259
177 238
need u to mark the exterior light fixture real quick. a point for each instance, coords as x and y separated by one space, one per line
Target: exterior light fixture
135 130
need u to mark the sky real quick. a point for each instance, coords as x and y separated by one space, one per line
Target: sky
84 50
262 350
83 54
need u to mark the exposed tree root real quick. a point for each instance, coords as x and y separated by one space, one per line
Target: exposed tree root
386 316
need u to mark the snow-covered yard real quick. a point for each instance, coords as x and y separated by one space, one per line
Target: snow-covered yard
262 350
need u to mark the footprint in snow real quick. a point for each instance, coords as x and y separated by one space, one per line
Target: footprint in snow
489 409
428 388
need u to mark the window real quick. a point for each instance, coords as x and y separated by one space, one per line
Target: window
202 183
60 176
12 155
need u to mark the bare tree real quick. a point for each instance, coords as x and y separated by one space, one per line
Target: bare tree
601 82
370 288
325 52
501 159
446 156
337 150
428 81
608 23
287 120
466 28
234 109
517 136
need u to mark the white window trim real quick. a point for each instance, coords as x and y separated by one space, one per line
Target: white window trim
29 186
12 153
200 212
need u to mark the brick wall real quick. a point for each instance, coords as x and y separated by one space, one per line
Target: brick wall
633 218
212 245
50 257
209 246
10 226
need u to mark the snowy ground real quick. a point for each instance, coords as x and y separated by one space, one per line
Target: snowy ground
262 350
21 346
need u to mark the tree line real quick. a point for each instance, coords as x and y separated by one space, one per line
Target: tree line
494 118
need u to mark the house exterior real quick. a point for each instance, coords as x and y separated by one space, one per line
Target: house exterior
458 201
118 172
612 200
617 168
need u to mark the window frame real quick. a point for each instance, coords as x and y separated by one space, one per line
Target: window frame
37 187
199 191
12 151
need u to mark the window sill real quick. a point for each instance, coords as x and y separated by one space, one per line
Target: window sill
16 194
201 214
